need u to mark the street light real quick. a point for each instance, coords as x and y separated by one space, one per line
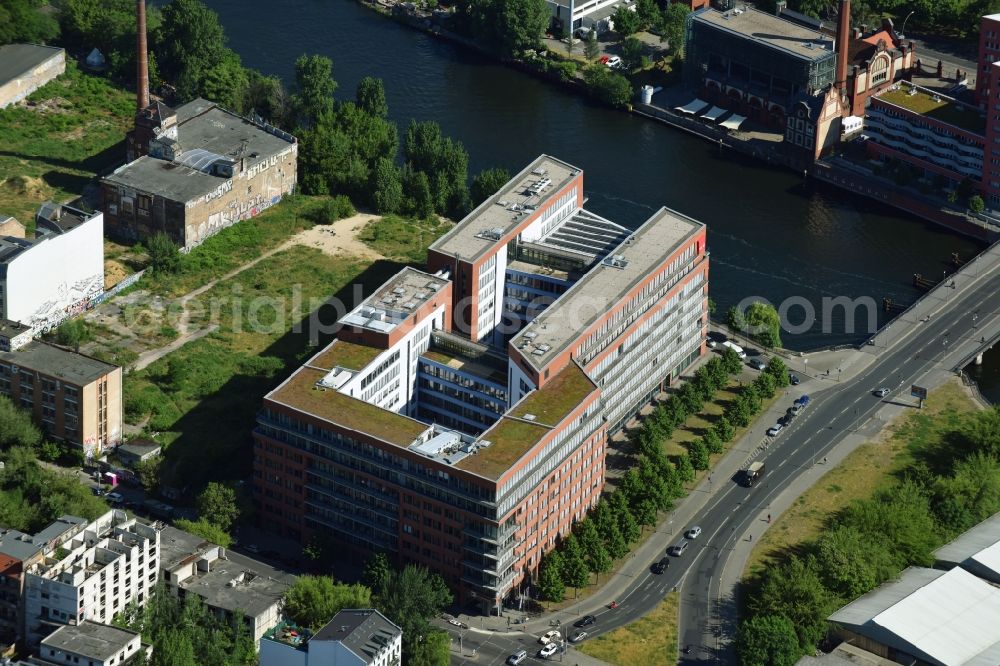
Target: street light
902 31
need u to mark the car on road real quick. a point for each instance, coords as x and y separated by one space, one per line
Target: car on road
794 410
115 498
757 364
456 623
678 549
578 636
517 657
585 621
548 651
793 379
880 392
693 533
775 429
661 566
802 400
549 636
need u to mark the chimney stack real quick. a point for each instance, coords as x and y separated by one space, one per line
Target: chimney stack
843 40
142 57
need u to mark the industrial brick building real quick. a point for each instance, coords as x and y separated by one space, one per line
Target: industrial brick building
461 418
198 169
75 398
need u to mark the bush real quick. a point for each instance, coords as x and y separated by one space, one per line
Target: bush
164 256
335 209
607 86
566 69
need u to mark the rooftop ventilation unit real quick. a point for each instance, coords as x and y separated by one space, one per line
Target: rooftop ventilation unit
484 443
409 305
421 295
502 202
389 300
433 286
399 291
545 348
529 417
539 172
531 335
538 352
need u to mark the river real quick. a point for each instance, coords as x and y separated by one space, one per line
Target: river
770 233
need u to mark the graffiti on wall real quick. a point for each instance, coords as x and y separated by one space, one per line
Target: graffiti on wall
58 316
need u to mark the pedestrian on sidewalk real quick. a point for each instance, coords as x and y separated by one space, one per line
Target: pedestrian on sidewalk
769 518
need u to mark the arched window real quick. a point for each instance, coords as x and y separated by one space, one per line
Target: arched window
880 69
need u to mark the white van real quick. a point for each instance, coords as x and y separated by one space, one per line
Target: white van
735 347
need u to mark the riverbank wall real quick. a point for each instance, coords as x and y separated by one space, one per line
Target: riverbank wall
768 152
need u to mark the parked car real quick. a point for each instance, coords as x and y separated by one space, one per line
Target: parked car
549 636
517 657
794 410
585 621
614 62
757 364
803 400
548 651
456 623
603 59
775 429
793 379
693 533
115 498
712 344
578 636
880 393
97 491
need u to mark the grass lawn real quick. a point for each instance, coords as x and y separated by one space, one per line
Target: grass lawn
870 467
72 129
403 239
651 640
203 397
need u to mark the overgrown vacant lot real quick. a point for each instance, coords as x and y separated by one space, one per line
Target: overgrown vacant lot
651 640
50 147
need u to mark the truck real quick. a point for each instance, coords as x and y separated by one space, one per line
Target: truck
729 344
753 474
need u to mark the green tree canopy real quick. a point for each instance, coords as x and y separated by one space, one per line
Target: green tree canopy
487 183
164 255
768 640
794 590
25 21
626 21
853 563
312 600
550 579
314 88
377 571
672 22
611 88
192 42
217 505
17 427
206 530
411 597
764 324
370 97
388 187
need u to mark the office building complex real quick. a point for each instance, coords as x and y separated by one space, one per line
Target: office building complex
460 420
75 398
108 563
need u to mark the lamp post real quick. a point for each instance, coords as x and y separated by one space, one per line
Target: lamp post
902 31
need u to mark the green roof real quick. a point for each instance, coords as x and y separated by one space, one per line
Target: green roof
300 392
346 355
938 107
557 398
512 437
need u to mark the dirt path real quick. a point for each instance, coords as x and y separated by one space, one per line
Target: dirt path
337 239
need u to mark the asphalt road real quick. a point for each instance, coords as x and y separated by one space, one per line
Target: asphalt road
829 417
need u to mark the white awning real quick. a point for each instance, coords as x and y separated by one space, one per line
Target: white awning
714 114
694 106
734 121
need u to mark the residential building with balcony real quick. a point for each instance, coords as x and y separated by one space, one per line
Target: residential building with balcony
940 137
460 420
107 564
75 398
354 637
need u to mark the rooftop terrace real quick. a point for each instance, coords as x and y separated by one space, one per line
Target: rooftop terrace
528 422
770 31
395 301
344 354
499 215
605 284
933 105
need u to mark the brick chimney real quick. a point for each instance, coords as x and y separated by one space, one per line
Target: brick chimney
843 41
142 57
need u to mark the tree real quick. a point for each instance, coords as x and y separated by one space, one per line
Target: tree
550 580
853 563
752 397
764 324
16 426
314 88
370 96
417 189
24 21
312 600
591 47
266 96
224 81
698 453
487 183
611 88
738 413
431 649
574 567
764 384
976 204
648 13
672 24
633 53
217 505
731 361
767 640
164 255
519 25
377 571
615 542
717 371
206 530
712 442
735 319
777 369
981 433
387 187
724 429
970 495
176 650
192 42
794 590
685 470
148 472
626 21
903 517
410 598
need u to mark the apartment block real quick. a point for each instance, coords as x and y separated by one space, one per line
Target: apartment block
75 398
460 420
44 278
109 563
989 52
92 644
354 637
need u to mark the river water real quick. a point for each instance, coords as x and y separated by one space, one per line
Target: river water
770 233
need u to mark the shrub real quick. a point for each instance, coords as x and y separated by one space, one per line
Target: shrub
335 209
